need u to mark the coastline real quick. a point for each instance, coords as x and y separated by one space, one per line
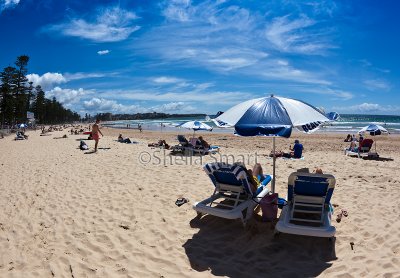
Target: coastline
111 215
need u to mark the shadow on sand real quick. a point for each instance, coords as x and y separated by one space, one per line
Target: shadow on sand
227 249
378 158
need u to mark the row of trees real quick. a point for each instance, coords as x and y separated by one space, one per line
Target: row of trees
18 96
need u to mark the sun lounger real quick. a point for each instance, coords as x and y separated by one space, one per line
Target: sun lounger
363 150
308 211
233 197
192 147
20 136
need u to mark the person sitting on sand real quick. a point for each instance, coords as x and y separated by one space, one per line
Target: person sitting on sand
123 140
297 150
203 143
348 138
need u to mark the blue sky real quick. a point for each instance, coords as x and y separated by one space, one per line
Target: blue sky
182 56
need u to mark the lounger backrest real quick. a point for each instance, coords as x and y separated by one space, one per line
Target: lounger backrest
366 145
309 184
182 140
227 174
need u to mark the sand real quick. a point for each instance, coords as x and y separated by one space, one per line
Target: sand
64 213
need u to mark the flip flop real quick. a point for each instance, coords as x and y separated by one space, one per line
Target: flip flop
345 213
339 217
181 201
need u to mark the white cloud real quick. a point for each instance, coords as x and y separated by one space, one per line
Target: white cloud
282 70
195 96
98 105
47 80
173 107
50 79
179 10
166 80
68 96
7 4
103 52
335 94
109 25
84 75
377 84
369 108
293 35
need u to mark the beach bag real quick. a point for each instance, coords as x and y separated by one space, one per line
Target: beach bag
269 207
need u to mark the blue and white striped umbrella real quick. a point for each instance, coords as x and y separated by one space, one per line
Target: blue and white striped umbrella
272 116
196 125
373 130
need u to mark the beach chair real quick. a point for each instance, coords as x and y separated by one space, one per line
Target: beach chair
19 136
363 150
182 146
308 211
233 197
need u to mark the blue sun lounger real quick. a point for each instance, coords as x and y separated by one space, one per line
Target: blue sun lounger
233 197
308 211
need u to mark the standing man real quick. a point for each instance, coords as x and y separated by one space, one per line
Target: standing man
95 134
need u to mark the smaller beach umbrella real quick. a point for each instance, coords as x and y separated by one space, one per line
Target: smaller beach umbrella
373 130
195 126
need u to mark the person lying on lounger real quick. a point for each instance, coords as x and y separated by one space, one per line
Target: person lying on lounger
255 176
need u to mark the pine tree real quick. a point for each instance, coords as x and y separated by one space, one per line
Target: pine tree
20 89
7 88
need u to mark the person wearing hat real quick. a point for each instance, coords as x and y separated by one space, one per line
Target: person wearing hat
297 150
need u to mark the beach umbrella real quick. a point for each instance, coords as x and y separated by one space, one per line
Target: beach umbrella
272 116
373 130
195 126
333 116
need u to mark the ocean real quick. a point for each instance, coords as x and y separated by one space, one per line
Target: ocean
347 123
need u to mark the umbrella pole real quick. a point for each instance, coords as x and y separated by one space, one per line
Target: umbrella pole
273 167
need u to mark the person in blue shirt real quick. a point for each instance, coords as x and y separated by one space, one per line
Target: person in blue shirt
297 149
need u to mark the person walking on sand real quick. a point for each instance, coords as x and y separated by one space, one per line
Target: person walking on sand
95 134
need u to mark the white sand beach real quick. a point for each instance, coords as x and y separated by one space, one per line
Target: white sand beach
64 213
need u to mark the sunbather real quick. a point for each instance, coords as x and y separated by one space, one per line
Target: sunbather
353 146
124 140
348 138
159 144
297 150
203 143
256 176
62 137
